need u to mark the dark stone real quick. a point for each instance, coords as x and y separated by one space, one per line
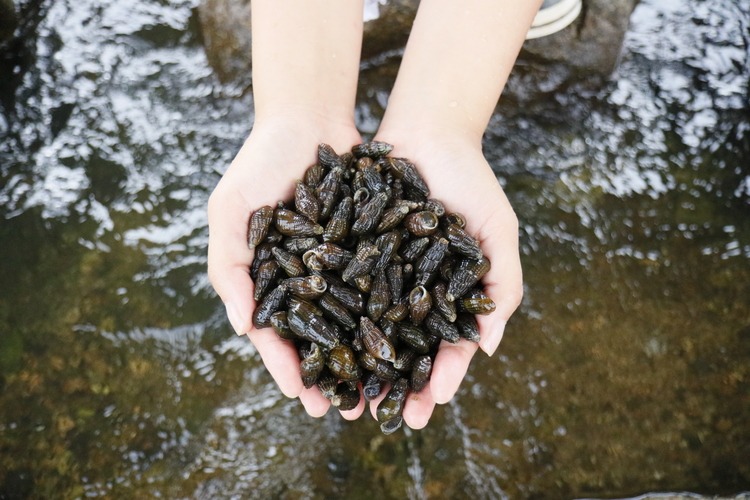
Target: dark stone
591 44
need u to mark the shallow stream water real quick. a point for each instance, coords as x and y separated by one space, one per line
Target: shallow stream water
624 371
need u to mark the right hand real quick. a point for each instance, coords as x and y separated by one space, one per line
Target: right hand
274 156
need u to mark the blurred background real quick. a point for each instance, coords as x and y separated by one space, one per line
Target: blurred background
624 371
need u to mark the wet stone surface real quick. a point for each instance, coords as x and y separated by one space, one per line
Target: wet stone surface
623 372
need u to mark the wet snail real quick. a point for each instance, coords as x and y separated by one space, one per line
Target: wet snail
366 274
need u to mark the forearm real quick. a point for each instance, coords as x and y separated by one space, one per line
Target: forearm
306 58
456 63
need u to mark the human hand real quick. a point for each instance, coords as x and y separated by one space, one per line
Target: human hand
458 175
275 155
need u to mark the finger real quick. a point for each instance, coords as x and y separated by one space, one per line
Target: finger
229 257
355 413
504 281
375 402
449 369
315 404
418 408
281 360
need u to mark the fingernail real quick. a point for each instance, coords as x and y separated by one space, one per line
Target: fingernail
235 318
490 343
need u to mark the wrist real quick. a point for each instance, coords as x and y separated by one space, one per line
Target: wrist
429 130
413 139
305 116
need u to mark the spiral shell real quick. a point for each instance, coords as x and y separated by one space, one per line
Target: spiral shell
312 365
343 364
373 149
291 223
260 221
345 399
420 303
306 202
393 404
375 341
420 373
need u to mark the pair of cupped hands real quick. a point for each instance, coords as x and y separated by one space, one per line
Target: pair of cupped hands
276 155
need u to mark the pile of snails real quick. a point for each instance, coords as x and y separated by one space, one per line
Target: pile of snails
366 275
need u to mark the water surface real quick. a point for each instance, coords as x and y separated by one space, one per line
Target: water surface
624 371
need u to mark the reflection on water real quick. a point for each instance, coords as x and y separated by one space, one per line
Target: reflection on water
624 371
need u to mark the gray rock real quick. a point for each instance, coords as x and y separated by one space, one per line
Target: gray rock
592 43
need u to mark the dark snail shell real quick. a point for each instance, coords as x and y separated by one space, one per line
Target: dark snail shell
476 302
328 157
281 326
462 242
420 373
372 386
268 270
414 337
349 297
435 206
290 263
291 223
306 202
420 303
327 192
327 384
392 217
327 256
395 275
421 223
405 360
345 399
388 245
363 261
391 425
438 326
398 312
337 311
269 305
380 297
312 365
339 224
393 404
307 324
306 287
298 246
373 149
343 364
414 249
407 172
370 216
260 221
466 275
446 307
313 175
375 341
428 263
468 328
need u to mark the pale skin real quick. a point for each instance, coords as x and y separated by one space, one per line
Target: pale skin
305 67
